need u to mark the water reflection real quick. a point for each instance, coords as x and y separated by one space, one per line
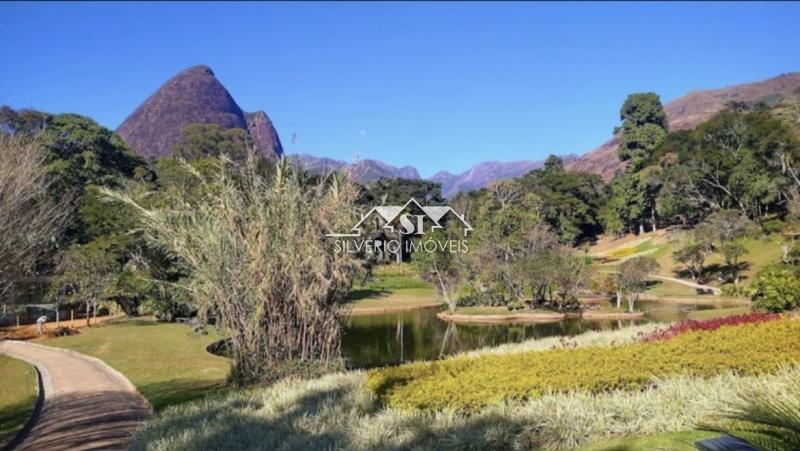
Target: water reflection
386 339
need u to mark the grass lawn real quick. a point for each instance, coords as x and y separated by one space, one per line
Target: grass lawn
673 441
760 252
392 286
410 297
166 362
17 396
665 288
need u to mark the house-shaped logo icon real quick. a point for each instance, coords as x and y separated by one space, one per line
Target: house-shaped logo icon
393 216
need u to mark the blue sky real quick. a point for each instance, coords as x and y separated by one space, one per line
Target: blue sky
437 86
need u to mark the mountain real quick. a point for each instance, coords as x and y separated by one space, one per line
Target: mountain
193 96
476 177
689 111
362 171
482 174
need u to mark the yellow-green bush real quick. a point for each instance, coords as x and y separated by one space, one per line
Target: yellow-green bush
623 252
470 383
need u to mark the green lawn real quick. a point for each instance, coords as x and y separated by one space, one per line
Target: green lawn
17 396
166 362
761 252
666 288
392 286
408 297
672 441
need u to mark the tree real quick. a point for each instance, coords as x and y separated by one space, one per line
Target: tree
727 225
605 284
570 273
84 274
29 218
396 191
77 153
724 230
731 252
632 278
692 254
80 153
501 238
211 140
737 160
258 261
644 127
570 202
449 270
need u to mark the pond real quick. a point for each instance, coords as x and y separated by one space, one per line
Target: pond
392 338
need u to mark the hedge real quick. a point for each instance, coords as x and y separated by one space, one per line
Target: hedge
464 383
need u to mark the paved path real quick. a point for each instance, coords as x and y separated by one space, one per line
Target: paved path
87 405
688 284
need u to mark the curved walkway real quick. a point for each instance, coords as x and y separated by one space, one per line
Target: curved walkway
87 404
714 290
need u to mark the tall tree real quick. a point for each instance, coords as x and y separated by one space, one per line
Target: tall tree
29 218
632 278
644 126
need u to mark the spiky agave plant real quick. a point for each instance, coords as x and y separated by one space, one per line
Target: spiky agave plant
766 418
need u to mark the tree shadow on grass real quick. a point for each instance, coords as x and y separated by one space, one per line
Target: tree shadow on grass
233 423
101 420
178 391
364 293
325 419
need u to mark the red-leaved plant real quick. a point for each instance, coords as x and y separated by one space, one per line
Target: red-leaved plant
689 325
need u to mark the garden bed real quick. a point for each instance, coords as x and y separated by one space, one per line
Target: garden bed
472 383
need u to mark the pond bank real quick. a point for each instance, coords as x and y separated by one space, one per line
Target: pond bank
356 311
590 314
520 317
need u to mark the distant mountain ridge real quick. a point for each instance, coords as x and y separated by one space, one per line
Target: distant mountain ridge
476 177
690 111
363 171
193 95
482 174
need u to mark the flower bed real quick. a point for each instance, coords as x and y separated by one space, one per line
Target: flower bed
711 324
470 383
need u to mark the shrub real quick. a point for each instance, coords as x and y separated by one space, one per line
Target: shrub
515 305
471 383
730 290
765 416
773 226
623 252
776 288
481 299
253 245
711 324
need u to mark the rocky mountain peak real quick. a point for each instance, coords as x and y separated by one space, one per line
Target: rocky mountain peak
194 95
